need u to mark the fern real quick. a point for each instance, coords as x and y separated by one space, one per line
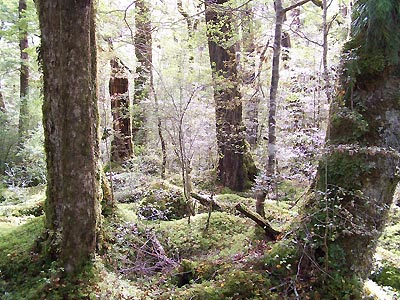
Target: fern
376 29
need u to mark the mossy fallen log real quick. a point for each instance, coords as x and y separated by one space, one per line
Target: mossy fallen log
206 201
271 233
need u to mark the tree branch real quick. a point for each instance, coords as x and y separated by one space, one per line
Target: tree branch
316 2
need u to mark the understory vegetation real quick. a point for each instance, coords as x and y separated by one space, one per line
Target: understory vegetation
149 251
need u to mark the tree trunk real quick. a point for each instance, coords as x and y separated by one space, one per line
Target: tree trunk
2 103
250 82
23 125
358 176
143 52
160 133
356 179
272 149
121 145
228 102
270 180
68 56
325 32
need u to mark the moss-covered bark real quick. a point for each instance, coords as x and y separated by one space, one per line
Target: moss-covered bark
228 102
346 213
68 56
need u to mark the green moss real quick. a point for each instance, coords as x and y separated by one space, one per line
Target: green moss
347 126
162 202
226 234
20 271
344 170
232 284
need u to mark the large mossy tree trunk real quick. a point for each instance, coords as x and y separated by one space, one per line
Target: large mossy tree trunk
68 56
356 179
228 103
23 124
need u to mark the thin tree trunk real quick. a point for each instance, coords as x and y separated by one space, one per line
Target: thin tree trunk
272 148
270 180
2 103
188 19
23 125
325 31
71 130
228 102
143 52
160 133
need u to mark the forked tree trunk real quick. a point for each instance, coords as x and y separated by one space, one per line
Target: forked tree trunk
143 79
23 125
68 56
121 145
228 102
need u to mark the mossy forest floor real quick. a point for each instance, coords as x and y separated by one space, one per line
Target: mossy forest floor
150 251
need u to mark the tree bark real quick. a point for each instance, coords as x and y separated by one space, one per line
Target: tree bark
356 179
121 145
325 32
68 57
228 102
23 124
143 79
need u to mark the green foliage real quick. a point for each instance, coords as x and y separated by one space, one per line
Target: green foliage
29 168
387 275
281 259
234 284
376 26
375 39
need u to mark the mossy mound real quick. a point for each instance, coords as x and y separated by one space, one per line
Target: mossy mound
226 234
162 202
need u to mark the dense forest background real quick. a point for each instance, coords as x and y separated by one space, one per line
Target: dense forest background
215 143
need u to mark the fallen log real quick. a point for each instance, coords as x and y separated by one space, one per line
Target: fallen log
271 233
206 201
